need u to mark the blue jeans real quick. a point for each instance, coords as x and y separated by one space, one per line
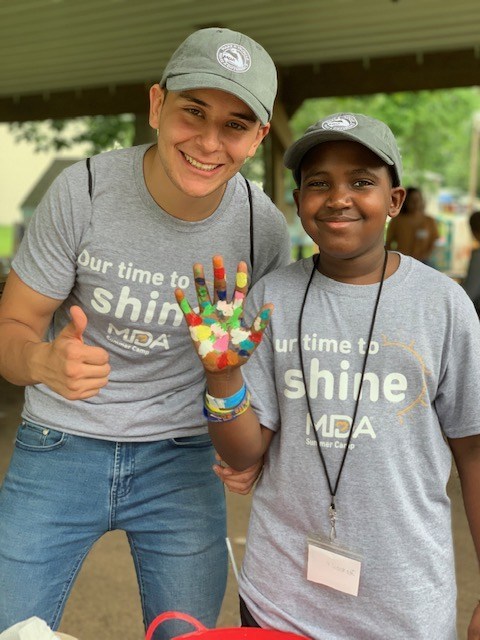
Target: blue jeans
63 492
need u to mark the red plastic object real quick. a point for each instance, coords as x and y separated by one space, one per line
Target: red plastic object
235 633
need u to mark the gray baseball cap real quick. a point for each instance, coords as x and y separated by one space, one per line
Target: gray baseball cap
372 133
218 58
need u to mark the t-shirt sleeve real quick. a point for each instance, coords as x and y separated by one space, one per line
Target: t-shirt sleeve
46 258
457 399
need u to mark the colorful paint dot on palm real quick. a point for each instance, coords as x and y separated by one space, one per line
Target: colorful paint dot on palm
217 330
204 348
256 336
238 335
209 309
222 343
225 307
237 312
232 358
247 345
222 361
203 332
210 359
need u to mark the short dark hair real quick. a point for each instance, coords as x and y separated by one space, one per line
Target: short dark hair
475 223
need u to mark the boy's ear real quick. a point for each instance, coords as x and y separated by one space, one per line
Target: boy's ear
296 197
397 196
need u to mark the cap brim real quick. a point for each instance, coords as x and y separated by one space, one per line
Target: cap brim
211 81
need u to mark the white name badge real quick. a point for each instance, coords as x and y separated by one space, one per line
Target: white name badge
333 566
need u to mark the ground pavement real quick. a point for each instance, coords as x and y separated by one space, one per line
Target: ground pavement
104 604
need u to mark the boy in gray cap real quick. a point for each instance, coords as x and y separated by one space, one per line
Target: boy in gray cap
365 384
113 435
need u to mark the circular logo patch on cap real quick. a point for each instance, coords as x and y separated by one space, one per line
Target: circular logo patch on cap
234 57
340 123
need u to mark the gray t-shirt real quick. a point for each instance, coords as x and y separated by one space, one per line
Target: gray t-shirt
119 257
421 384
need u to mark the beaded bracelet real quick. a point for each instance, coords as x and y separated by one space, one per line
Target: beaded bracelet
226 403
226 415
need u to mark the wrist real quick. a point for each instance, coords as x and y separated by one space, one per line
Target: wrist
223 384
34 356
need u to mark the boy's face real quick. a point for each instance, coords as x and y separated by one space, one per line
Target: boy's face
204 137
344 199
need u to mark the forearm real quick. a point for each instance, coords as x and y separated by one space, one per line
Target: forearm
21 353
470 481
466 452
240 442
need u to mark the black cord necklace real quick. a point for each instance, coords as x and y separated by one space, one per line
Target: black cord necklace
333 487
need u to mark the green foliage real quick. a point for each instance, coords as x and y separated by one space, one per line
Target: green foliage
433 129
98 132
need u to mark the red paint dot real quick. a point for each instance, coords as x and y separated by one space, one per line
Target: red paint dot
219 273
193 320
222 361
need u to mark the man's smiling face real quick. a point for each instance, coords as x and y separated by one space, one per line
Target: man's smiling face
204 137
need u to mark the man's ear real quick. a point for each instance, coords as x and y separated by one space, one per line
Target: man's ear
397 196
261 134
157 97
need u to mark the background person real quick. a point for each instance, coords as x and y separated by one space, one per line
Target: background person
413 232
357 405
112 435
471 284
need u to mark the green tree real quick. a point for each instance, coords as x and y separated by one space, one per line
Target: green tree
98 132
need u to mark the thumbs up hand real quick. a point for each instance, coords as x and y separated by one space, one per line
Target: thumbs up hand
71 368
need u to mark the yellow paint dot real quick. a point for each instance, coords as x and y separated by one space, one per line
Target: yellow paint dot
203 333
241 280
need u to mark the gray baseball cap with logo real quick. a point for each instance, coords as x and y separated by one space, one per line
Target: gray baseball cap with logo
222 59
371 133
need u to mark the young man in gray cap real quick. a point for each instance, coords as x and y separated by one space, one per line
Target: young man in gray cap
113 435
364 385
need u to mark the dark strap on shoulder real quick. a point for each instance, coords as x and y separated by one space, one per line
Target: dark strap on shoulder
90 181
250 204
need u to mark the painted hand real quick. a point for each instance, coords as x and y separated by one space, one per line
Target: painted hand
218 331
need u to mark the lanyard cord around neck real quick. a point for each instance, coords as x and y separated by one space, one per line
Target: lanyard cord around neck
334 487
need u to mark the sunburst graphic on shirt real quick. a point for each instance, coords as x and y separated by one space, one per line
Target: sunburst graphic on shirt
419 400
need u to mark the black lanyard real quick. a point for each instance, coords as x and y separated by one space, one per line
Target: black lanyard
334 487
